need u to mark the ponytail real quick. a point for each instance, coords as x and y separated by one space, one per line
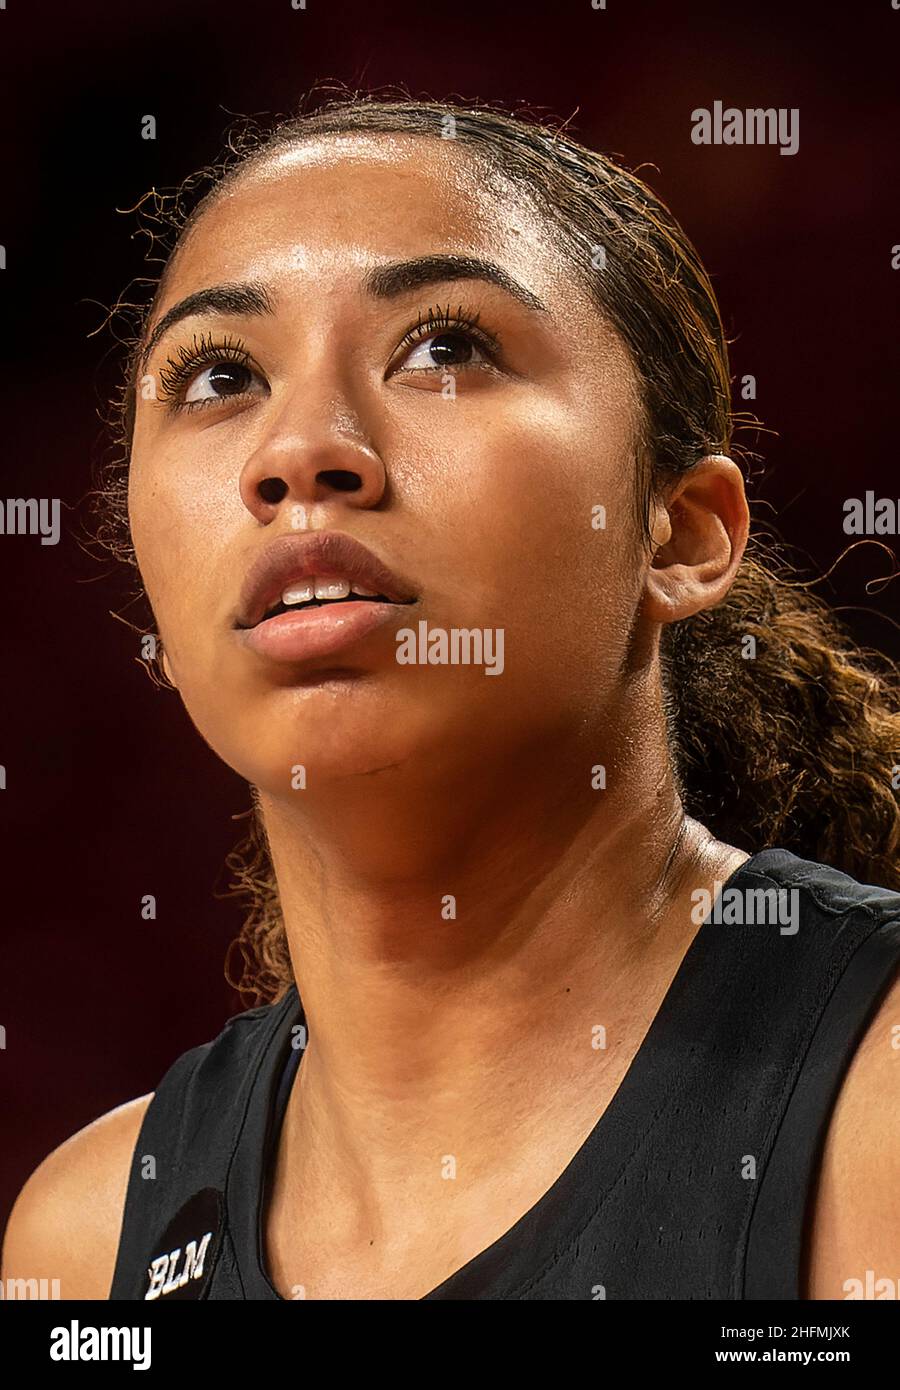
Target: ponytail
784 732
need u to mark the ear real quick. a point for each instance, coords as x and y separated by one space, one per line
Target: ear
699 534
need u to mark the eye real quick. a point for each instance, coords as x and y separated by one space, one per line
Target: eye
224 379
206 372
455 348
443 340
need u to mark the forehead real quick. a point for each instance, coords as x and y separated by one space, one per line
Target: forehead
333 206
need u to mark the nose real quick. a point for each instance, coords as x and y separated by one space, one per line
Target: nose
314 450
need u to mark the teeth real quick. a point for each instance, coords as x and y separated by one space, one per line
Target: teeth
299 593
332 588
323 589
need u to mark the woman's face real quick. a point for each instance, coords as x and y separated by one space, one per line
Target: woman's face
470 462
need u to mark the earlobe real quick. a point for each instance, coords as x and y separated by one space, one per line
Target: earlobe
699 534
660 528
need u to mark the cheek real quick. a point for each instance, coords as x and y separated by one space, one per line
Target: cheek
514 507
181 522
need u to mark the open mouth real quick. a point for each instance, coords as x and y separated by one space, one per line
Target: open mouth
315 592
296 607
296 574
362 604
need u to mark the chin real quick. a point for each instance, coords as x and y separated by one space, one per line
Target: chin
311 738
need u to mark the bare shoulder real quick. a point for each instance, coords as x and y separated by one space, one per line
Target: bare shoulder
67 1218
855 1228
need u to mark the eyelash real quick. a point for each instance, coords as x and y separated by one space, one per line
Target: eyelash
443 321
180 371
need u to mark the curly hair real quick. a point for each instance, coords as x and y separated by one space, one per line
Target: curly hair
791 740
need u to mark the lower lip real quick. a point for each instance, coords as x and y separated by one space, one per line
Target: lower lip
316 632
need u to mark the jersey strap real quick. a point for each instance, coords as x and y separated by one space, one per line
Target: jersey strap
175 1241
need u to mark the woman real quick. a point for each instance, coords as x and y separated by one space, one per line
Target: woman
570 810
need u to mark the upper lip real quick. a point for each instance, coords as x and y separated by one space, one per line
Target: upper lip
322 553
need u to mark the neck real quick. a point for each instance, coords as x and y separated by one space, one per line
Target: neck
436 916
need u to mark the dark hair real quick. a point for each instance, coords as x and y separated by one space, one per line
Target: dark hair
794 747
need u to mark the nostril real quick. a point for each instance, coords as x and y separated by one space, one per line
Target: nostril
272 489
340 479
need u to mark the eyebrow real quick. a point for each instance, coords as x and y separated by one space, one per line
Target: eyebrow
240 299
382 281
397 277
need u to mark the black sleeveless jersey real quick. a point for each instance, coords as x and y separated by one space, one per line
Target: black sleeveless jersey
695 1180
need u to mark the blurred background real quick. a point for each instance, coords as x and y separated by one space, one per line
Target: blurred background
111 794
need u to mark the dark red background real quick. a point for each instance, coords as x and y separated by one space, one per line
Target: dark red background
111 793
